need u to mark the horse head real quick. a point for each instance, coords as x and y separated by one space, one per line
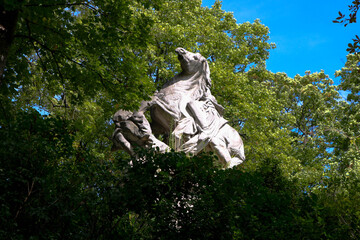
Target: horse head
192 63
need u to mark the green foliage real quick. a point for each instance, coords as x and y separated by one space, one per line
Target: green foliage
161 196
77 50
81 61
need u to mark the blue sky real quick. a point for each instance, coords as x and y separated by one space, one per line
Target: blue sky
303 31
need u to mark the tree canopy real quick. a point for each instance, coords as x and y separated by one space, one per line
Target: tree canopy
65 68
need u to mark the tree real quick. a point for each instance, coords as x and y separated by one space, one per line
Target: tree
64 52
353 8
8 20
77 59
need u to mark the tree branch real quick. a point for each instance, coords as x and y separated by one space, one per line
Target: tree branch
30 189
8 20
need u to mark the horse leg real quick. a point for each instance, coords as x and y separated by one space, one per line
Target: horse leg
235 145
219 147
228 145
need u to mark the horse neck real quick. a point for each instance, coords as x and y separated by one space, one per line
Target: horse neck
196 79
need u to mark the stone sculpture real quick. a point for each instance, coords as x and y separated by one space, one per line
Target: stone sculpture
183 110
134 129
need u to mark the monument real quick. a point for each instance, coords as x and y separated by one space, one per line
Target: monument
185 113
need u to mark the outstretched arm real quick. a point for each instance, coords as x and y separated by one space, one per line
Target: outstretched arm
120 142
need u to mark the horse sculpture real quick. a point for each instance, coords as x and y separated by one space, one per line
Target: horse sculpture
186 110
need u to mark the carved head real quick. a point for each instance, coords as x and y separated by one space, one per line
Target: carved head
121 116
192 63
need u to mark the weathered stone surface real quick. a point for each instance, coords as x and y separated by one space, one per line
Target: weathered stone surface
186 111
133 129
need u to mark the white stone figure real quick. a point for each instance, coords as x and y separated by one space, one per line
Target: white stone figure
186 111
134 129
